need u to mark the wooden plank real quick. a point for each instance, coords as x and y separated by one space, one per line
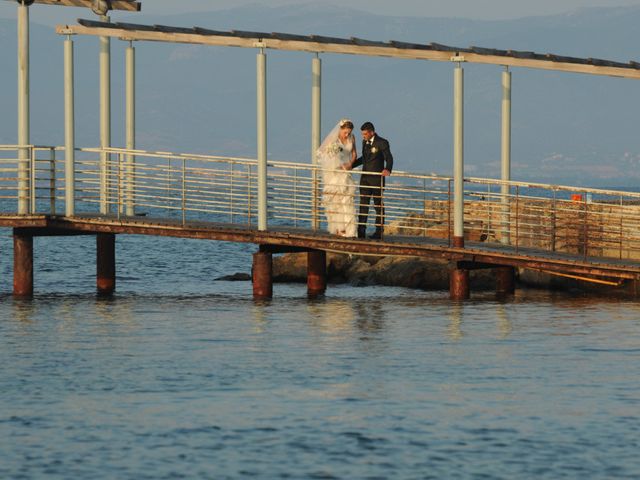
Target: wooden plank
341 46
128 5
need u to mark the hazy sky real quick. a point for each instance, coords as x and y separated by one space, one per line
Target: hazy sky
487 9
479 9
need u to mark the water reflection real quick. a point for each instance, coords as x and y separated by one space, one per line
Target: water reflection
505 325
455 322
370 318
22 309
331 316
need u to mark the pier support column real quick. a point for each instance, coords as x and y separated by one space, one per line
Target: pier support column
262 139
316 272
458 156
505 280
316 117
105 121
25 163
69 129
505 190
106 263
459 284
22 264
262 275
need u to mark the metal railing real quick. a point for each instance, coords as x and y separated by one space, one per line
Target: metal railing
192 188
35 181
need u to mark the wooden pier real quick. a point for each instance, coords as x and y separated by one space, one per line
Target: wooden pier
475 255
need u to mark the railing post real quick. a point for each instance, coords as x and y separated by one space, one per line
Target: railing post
554 221
105 119
119 192
458 149
316 117
261 68
69 129
449 204
32 179
130 127
52 181
184 191
517 217
231 202
23 109
621 224
506 152
586 227
249 201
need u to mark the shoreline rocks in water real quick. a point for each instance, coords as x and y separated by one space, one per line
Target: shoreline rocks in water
415 272
408 272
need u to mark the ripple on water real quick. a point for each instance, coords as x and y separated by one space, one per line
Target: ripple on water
182 376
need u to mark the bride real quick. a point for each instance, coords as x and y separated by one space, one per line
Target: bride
338 151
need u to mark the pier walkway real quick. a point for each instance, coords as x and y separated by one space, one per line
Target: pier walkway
588 234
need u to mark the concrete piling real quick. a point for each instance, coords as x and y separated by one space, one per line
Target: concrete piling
505 280
459 284
262 275
316 272
106 263
22 264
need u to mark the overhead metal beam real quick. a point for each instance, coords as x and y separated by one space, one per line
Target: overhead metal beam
127 5
310 44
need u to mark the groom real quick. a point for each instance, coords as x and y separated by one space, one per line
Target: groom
376 157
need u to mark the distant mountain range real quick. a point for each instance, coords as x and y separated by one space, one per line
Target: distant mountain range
571 129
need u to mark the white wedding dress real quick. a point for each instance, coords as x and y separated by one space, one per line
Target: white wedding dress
338 189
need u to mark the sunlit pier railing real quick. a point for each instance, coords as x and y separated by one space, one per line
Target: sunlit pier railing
192 188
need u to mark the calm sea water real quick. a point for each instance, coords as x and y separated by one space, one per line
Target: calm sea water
183 376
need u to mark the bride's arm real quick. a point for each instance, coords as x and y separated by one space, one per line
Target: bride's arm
354 155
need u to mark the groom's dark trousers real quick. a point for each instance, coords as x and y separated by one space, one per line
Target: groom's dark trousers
371 187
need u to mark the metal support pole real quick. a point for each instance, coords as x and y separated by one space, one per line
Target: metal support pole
262 139
22 264
458 156
69 129
262 275
131 128
23 110
316 272
506 152
105 119
316 117
106 263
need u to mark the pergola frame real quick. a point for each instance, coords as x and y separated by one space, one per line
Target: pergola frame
354 46
128 5
100 7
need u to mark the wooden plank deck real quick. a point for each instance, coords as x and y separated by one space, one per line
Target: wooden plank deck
281 239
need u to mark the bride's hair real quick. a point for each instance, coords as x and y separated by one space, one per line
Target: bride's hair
345 123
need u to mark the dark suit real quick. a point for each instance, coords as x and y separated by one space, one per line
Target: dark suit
375 158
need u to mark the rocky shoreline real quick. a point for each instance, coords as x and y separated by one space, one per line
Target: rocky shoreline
415 272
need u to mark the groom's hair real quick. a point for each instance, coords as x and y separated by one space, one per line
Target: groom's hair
368 126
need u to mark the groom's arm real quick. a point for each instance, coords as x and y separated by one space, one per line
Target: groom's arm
356 163
388 157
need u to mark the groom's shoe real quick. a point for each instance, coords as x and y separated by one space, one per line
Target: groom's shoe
362 232
377 235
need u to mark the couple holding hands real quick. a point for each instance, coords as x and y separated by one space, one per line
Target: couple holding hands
337 156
